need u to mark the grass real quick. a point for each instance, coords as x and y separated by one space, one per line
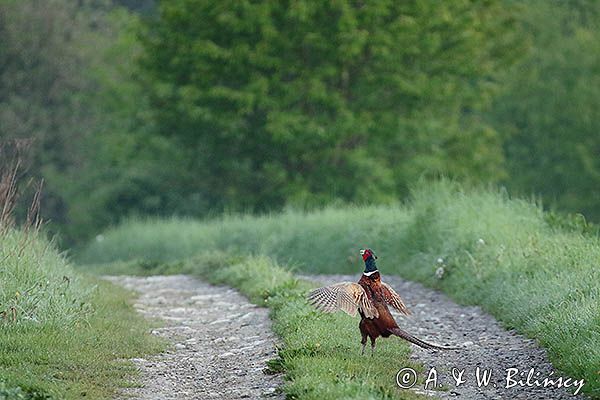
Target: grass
320 352
318 364
535 272
324 241
62 334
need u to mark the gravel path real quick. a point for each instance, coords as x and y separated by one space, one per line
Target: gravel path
486 345
221 342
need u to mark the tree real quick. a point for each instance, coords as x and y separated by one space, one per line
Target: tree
550 109
66 81
307 101
42 77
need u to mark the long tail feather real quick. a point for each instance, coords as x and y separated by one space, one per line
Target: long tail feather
421 343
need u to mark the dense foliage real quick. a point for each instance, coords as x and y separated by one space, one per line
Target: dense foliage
188 107
309 101
550 109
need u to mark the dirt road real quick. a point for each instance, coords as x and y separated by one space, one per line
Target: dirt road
220 342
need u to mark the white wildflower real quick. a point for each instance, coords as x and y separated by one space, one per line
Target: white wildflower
439 273
99 238
440 260
480 242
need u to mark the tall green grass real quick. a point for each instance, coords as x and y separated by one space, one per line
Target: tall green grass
318 241
38 286
62 334
534 272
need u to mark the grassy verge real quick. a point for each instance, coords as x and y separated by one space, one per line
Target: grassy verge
62 335
535 272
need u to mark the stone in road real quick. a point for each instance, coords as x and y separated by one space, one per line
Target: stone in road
220 341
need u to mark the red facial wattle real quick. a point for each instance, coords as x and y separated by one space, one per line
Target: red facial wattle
366 254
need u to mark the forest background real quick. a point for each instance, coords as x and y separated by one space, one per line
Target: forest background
199 107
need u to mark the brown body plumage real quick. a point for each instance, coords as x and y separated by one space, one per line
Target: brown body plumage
371 298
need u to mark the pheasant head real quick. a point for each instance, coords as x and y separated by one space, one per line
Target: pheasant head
369 258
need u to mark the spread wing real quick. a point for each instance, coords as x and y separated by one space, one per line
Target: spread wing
393 299
349 297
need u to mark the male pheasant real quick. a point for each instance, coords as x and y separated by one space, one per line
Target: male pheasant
371 298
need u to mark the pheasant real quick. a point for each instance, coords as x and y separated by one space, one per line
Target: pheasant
371 298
